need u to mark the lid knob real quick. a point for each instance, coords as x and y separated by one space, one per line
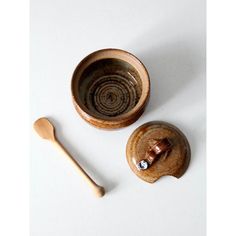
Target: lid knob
157 147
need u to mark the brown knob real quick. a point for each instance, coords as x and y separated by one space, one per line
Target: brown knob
156 149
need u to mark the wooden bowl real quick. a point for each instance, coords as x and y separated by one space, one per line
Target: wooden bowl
110 88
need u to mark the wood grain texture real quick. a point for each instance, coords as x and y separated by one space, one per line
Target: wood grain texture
175 164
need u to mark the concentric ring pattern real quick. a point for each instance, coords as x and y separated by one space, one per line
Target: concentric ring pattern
111 88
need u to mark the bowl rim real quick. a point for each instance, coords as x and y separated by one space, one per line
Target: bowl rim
85 112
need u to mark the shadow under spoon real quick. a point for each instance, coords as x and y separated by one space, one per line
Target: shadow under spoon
46 130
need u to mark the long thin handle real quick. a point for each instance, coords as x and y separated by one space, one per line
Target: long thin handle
98 190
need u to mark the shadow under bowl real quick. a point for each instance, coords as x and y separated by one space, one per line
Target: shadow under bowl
110 88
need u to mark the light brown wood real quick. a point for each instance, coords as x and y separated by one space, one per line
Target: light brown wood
174 159
46 130
110 88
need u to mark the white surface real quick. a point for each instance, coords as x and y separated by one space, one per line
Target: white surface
169 37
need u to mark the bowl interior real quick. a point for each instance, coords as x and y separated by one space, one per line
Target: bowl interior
109 87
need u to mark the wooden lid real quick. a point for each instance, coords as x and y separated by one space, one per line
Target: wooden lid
156 149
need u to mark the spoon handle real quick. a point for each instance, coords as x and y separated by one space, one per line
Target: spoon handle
98 190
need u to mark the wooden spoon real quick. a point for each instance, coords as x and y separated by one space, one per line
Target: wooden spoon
46 130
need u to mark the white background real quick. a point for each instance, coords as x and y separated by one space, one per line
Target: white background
169 38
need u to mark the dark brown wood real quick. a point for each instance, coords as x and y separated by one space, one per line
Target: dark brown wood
156 149
110 88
